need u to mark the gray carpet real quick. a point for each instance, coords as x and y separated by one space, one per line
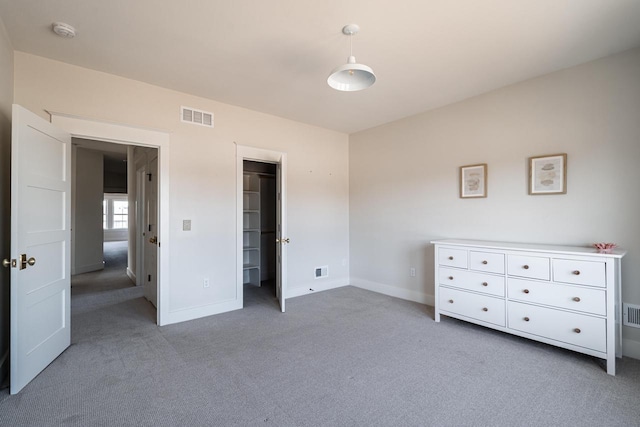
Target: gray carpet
340 357
90 291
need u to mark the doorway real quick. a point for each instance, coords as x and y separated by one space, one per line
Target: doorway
109 252
136 138
259 233
250 256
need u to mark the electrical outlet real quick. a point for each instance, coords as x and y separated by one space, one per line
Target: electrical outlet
412 272
205 282
186 225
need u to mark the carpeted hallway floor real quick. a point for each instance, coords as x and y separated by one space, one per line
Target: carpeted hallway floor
343 357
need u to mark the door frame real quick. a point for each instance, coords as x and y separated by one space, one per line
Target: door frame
269 156
80 127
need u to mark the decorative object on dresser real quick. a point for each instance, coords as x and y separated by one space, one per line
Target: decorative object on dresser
565 296
548 174
473 181
605 248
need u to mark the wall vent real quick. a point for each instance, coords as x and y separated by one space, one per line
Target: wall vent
631 315
196 117
322 272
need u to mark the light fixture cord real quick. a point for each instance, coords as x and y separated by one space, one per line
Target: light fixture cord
351 44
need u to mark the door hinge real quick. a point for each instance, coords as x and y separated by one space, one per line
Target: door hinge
149 175
149 227
149 278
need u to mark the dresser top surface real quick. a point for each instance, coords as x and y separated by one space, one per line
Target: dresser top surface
531 247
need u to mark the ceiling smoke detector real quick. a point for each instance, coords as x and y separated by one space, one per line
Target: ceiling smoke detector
64 30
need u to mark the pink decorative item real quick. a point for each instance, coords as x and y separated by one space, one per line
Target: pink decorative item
605 247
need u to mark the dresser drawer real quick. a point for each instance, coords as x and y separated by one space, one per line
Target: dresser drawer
563 296
486 261
452 257
529 266
479 307
571 328
590 273
470 280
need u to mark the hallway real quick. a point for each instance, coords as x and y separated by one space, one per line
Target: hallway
91 291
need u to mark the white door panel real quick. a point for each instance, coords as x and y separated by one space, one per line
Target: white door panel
40 229
151 231
281 226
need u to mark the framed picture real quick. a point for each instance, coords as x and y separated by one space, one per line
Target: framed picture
473 181
548 174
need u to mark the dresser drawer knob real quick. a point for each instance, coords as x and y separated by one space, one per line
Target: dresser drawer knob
450 258
450 301
450 277
485 284
526 291
526 267
576 299
526 319
576 272
485 309
577 330
485 262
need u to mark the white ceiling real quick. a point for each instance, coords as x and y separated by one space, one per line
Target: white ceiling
274 56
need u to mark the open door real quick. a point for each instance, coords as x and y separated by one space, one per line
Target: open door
280 160
40 245
281 232
151 233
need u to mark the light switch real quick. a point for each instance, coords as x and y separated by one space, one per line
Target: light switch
186 225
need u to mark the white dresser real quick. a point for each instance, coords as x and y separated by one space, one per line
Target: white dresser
561 295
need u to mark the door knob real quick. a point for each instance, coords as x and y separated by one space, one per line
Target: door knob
9 263
24 261
153 240
283 240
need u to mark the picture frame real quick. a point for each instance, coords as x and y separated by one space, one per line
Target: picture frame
473 181
548 174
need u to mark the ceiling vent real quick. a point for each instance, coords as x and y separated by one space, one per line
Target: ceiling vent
197 117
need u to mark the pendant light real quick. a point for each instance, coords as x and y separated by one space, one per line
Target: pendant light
351 76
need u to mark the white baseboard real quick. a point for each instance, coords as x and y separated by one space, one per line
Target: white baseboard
132 276
317 286
186 314
88 268
631 348
393 291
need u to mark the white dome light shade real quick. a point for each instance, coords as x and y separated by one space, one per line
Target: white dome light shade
351 76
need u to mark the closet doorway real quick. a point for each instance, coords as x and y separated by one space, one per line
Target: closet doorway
262 226
259 233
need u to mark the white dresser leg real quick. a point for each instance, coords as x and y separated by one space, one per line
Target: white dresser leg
611 365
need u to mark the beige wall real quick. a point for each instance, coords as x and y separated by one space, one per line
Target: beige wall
6 99
203 176
86 206
404 176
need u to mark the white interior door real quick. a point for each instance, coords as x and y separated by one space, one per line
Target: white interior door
281 233
40 245
141 223
151 231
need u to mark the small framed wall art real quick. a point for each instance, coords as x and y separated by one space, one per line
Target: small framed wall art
473 181
548 174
